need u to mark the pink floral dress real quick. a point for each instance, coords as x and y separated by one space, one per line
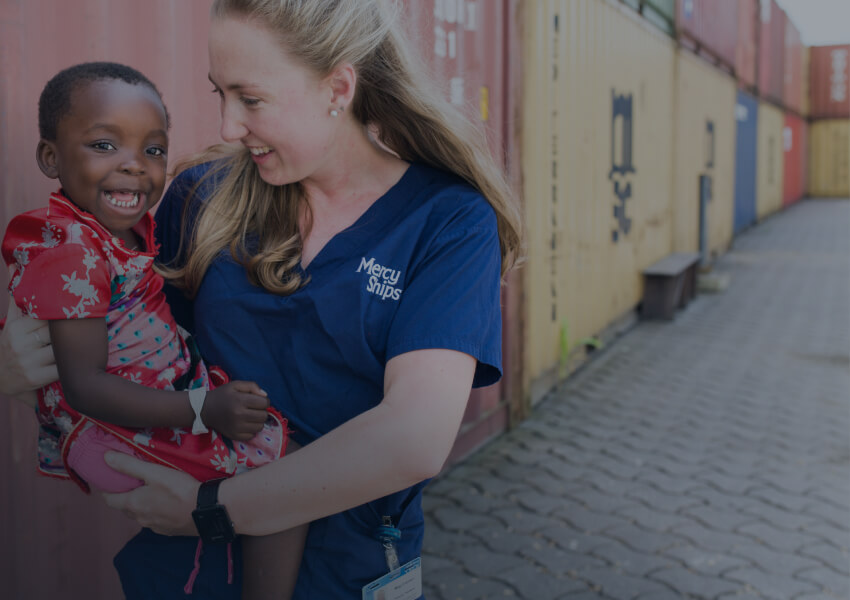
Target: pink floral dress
68 266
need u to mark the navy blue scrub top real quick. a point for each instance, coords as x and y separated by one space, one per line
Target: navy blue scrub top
419 269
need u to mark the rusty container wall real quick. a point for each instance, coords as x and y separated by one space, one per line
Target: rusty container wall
829 158
709 28
464 46
792 94
746 47
49 522
597 159
771 51
795 148
829 82
704 145
771 123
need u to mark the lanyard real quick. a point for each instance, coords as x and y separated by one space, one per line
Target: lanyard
388 535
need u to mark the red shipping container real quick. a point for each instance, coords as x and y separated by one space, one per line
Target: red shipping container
746 49
771 51
708 28
829 82
795 164
793 80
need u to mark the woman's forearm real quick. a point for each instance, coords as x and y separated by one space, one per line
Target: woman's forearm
402 441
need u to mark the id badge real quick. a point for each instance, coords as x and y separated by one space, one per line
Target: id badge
405 583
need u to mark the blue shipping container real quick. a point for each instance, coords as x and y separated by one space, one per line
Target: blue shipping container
746 116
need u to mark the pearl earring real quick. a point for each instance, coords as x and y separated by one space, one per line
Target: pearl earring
334 112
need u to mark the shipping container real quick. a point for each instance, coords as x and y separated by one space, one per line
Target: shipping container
807 87
746 48
792 89
597 156
829 158
795 147
709 28
660 13
770 160
704 146
464 45
829 82
64 541
746 164
771 51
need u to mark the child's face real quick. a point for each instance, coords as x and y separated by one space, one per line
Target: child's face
110 151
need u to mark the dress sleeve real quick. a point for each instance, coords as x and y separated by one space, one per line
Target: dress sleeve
451 299
63 275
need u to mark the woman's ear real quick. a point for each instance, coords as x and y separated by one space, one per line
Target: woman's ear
45 156
342 82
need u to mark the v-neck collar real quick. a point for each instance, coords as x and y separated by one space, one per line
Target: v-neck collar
381 212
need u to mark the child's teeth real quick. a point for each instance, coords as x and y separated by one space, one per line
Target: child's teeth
128 203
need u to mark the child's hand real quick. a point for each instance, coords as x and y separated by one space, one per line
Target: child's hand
236 410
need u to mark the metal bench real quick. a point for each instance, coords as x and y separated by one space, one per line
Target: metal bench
669 284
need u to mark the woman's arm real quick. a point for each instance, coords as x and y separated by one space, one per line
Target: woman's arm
238 409
402 441
26 357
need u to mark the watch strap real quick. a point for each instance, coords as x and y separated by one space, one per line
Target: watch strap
208 493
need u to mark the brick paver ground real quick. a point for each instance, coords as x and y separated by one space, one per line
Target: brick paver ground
704 458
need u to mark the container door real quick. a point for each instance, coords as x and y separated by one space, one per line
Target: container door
746 115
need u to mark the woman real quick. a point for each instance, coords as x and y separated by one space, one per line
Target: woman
346 255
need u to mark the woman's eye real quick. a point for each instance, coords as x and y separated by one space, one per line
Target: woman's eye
250 101
103 146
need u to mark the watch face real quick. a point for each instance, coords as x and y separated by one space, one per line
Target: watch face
214 525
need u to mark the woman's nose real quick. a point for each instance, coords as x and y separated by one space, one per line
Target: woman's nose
232 129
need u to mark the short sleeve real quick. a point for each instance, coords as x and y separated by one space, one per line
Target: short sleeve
451 299
61 277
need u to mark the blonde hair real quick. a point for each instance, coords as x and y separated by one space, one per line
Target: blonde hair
408 116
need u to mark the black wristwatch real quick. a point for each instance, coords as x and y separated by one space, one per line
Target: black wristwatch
211 518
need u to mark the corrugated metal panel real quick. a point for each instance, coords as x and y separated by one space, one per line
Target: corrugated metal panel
746 165
660 13
806 102
709 28
829 77
795 146
771 51
457 39
746 49
704 145
597 169
770 159
792 94
51 522
829 162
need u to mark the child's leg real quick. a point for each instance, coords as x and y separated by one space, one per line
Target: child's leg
270 564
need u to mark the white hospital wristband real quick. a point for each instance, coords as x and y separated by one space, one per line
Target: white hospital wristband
196 400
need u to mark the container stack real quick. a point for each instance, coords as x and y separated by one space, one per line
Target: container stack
829 99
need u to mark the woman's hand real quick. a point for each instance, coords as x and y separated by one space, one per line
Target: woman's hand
26 356
166 501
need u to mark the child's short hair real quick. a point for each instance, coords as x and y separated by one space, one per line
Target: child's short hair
55 100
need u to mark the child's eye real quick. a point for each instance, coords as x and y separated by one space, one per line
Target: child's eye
103 146
156 151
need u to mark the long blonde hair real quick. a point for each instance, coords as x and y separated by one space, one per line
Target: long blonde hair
258 222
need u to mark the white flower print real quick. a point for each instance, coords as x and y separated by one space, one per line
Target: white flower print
226 463
22 257
168 374
75 234
177 435
143 437
51 397
49 235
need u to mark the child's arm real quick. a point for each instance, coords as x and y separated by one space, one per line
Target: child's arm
237 410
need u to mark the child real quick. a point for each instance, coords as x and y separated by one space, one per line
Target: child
85 263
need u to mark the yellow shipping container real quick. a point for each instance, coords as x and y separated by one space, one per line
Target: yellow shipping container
770 158
829 158
704 145
597 160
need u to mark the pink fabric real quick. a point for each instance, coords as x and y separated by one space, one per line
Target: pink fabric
85 457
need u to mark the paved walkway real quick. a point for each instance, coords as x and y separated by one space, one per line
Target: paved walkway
704 458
